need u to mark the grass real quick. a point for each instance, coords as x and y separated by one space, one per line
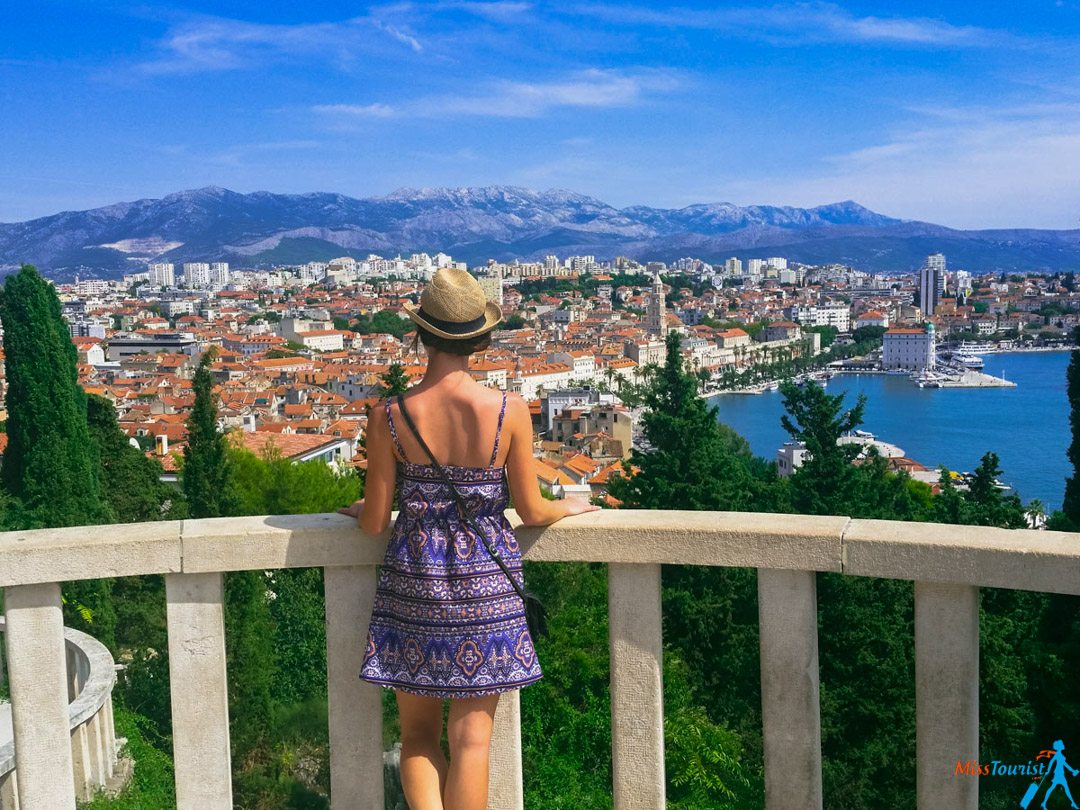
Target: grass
151 786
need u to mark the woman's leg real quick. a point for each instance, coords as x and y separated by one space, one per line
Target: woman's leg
468 731
423 764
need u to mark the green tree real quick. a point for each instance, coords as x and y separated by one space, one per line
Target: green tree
395 381
132 480
821 486
49 466
1069 518
828 334
273 485
693 461
204 473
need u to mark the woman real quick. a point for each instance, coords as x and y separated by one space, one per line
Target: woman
447 622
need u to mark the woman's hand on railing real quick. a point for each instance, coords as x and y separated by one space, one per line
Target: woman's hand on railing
353 510
576 505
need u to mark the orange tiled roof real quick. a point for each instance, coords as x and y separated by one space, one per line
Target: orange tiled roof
291 445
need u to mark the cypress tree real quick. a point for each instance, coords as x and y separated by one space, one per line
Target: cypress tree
205 473
51 469
50 465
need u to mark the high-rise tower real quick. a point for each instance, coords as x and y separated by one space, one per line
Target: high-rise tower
931 284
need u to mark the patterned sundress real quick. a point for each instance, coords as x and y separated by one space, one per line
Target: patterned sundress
446 621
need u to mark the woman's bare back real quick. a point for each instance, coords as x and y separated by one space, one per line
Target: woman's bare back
458 423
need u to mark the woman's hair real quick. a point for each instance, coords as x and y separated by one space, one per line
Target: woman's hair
465 346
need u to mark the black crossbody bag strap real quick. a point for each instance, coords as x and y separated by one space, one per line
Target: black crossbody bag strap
533 608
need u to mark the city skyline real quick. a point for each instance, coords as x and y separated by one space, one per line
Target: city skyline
957 115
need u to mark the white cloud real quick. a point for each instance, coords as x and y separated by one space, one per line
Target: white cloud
355 110
798 23
216 44
400 36
517 99
499 11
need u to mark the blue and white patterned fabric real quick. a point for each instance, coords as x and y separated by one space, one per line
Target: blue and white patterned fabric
446 621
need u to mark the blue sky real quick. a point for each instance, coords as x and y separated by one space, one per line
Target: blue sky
961 113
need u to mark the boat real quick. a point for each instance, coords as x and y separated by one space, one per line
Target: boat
968 360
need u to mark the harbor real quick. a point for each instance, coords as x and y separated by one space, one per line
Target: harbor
1026 424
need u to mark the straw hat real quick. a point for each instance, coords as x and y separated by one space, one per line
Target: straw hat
453 305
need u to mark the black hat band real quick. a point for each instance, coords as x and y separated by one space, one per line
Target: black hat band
453 327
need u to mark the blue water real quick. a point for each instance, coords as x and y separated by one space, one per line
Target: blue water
1027 426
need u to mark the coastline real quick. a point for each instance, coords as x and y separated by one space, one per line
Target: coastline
771 385
1026 426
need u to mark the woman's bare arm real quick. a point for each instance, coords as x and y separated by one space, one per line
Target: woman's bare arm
381 474
532 507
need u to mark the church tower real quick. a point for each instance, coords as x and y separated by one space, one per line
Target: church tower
656 310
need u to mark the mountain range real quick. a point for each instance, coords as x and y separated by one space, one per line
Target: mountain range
499 222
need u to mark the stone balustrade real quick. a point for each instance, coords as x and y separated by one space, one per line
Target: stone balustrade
947 563
89 676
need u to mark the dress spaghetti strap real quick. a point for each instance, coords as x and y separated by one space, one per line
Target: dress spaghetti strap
498 431
393 431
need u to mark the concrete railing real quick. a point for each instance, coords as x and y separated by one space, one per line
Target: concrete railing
90 675
947 563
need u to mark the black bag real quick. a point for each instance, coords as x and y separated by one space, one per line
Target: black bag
535 613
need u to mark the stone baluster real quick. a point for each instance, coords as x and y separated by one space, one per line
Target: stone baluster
9 791
790 689
200 700
946 694
506 783
356 761
637 698
37 663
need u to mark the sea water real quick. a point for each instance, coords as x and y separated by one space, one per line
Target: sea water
1027 426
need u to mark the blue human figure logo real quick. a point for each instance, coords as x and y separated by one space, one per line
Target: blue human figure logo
1057 767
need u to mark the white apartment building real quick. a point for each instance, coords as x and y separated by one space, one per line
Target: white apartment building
908 349
581 264
733 267
774 265
755 267
162 274
91 287
197 274
177 307
834 313
219 273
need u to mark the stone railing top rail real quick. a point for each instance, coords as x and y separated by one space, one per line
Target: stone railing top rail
93 694
972 555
